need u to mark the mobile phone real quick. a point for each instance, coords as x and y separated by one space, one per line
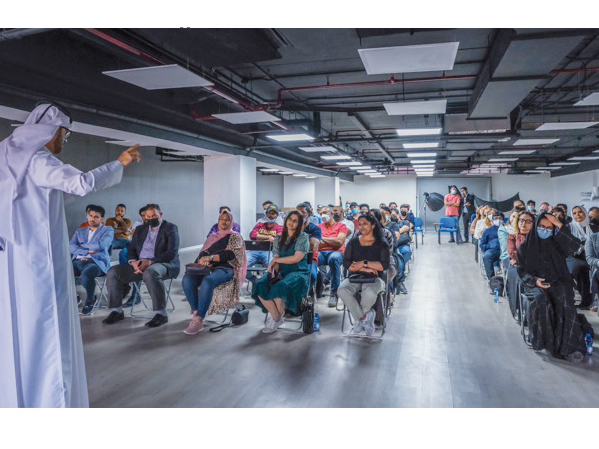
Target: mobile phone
546 284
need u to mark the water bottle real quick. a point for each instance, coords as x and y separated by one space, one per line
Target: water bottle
316 322
496 295
589 342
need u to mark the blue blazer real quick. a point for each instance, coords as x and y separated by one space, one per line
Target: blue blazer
101 241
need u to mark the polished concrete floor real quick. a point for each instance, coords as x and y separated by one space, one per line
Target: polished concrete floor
447 345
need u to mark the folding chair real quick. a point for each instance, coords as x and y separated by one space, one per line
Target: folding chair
101 284
448 224
382 308
143 302
258 245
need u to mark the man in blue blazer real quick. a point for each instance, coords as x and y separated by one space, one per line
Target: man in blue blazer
89 252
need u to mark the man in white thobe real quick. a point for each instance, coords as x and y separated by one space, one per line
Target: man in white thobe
41 351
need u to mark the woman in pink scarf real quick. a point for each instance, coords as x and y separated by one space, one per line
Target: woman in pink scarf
224 253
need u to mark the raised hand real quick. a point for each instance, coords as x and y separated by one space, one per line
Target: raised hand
129 155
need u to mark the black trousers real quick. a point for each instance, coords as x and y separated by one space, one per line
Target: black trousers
466 224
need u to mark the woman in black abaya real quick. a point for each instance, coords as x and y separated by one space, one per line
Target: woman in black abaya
553 321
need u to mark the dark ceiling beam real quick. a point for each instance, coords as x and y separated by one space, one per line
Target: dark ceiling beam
573 169
355 118
19 33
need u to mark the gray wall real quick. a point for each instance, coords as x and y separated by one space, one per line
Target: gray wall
176 186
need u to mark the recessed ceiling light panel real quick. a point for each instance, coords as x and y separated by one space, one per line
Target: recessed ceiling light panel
423 161
509 152
421 145
503 159
564 163
347 164
416 107
411 155
324 149
591 100
565 126
418 131
583 158
534 142
290 137
336 157
409 58
160 77
238 118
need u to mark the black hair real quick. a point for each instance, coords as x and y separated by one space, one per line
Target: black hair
153 206
451 187
306 205
563 206
220 209
364 205
99 209
267 202
499 214
593 209
465 188
88 207
406 206
143 209
300 226
531 202
377 229
121 205
392 202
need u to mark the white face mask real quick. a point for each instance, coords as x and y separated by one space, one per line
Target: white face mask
490 217
497 222
325 218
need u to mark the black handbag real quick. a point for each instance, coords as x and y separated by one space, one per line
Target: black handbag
195 269
240 316
362 278
404 239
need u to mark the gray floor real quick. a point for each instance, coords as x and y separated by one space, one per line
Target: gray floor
447 345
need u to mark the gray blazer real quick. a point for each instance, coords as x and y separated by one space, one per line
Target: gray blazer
591 249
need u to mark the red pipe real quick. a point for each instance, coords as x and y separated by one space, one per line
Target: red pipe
124 46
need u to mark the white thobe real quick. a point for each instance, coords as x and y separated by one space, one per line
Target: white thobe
41 351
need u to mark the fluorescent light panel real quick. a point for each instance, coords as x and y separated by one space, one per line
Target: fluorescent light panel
360 168
377 176
347 164
423 161
548 168
535 171
336 157
583 158
503 159
299 175
411 155
591 100
290 137
421 145
367 171
285 173
534 142
418 131
324 149
238 118
268 169
409 58
565 126
310 177
160 77
564 163
416 107
510 152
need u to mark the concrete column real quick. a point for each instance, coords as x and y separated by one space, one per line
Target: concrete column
297 190
327 191
230 181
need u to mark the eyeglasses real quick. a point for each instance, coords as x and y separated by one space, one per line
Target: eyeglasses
67 134
524 220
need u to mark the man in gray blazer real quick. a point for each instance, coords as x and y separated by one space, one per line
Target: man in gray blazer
153 256
89 252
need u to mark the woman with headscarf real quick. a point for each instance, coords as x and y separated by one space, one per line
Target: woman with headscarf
523 222
41 352
577 264
553 321
224 253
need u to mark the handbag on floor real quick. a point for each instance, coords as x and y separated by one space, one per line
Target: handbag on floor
240 316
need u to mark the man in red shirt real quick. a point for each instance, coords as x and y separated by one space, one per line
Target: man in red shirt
453 200
332 246
265 230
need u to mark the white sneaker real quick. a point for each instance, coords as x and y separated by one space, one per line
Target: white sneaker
358 326
272 325
369 322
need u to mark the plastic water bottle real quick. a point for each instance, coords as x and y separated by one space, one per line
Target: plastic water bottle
496 295
316 322
588 339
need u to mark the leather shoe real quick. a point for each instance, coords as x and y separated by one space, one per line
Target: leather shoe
158 320
113 317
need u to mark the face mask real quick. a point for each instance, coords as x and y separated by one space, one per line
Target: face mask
497 222
454 191
544 233
355 211
520 208
403 213
336 217
153 222
543 211
394 218
530 207
594 224
325 218
490 217
270 220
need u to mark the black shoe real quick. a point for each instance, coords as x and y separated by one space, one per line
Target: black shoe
402 288
130 302
113 317
158 320
584 306
87 309
451 241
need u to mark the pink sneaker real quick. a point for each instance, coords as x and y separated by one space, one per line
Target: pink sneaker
196 325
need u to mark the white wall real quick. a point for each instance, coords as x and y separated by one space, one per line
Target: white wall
268 187
373 191
327 191
297 190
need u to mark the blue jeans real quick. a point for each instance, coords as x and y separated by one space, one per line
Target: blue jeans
401 268
313 274
334 259
255 258
490 256
119 243
405 251
88 271
198 289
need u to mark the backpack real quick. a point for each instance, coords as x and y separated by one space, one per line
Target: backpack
496 282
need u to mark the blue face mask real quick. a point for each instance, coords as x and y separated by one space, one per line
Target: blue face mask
355 211
544 233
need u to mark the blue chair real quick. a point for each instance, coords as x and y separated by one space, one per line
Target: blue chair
448 224
418 223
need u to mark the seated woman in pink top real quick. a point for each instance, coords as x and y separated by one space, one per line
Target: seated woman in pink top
452 208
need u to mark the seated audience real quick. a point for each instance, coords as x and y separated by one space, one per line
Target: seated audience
214 229
564 207
477 218
122 227
85 224
484 222
314 234
544 208
400 227
348 221
153 256
266 229
266 205
553 322
382 206
314 217
489 244
89 252
364 208
367 254
523 226
518 206
560 214
224 253
502 234
577 264
332 245
134 298
289 260
392 205
406 214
